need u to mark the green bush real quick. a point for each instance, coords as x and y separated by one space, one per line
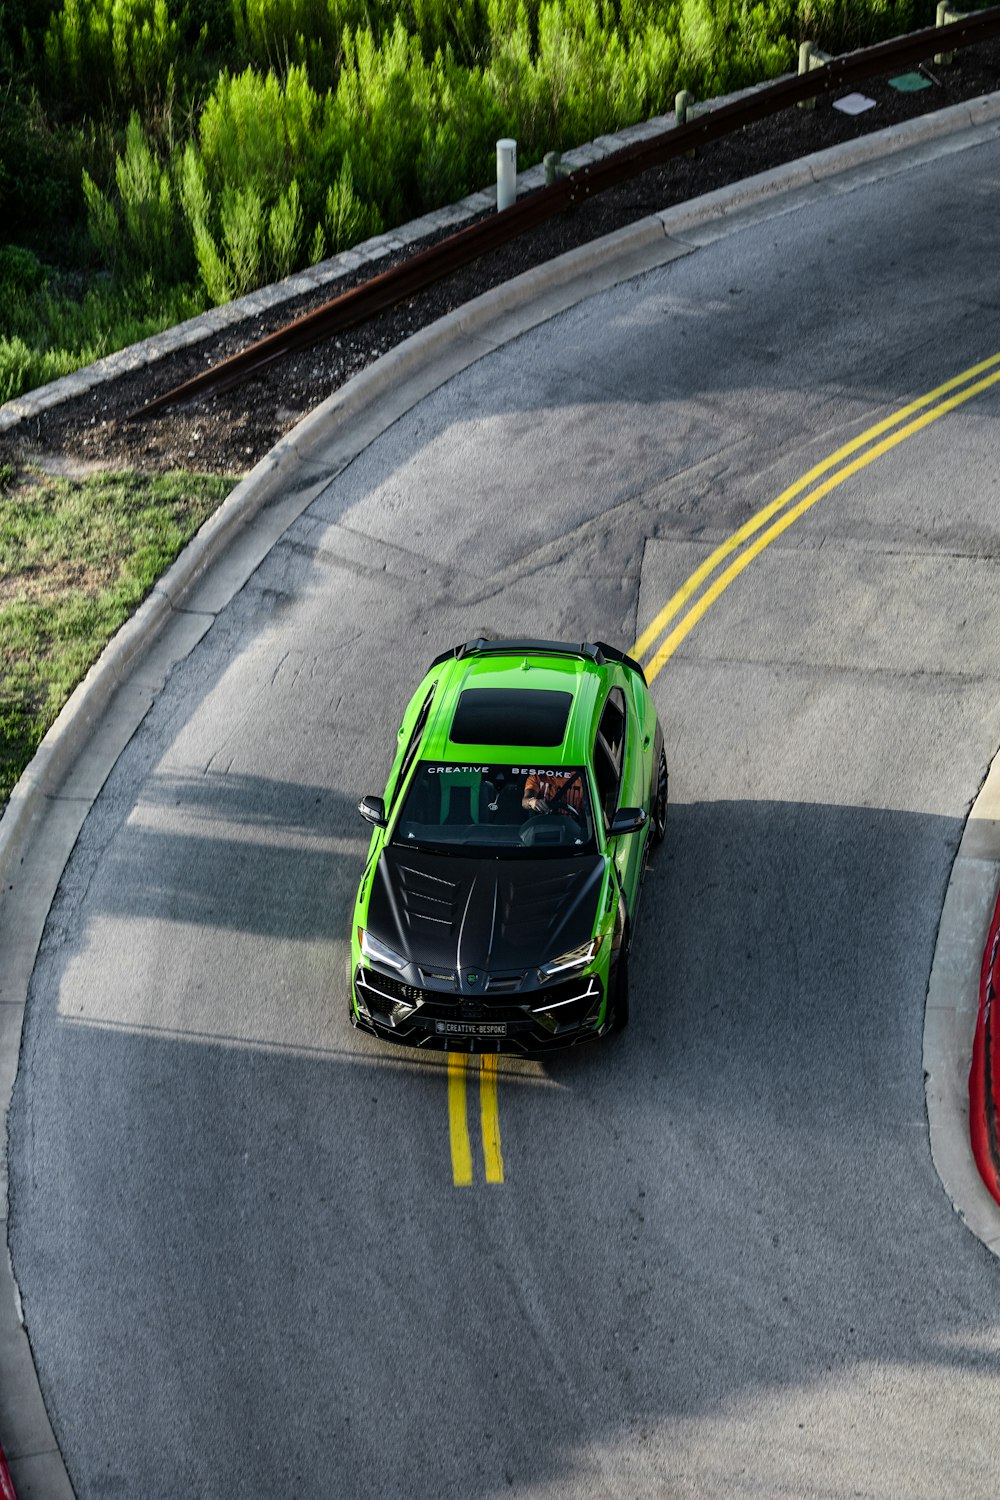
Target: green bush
41 165
841 25
345 219
267 186
121 52
142 232
278 34
189 150
48 332
21 273
728 44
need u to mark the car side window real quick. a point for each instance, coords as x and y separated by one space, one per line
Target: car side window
609 753
415 738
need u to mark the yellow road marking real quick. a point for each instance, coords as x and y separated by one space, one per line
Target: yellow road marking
490 1117
461 1147
702 606
458 1121
749 528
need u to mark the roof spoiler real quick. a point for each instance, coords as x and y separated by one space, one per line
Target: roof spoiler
598 652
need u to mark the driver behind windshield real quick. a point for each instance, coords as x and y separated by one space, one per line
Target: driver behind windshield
553 791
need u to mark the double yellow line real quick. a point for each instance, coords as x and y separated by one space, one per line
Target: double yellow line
458 1118
812 487
691 602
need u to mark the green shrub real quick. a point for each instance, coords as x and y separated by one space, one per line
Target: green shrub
48 332
41 163
345 221
728 44
279 34
142 232
263 131
118 51
241 187
457 24
419 132
228 142
21 273
841 25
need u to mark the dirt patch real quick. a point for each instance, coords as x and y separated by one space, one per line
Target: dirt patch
46 585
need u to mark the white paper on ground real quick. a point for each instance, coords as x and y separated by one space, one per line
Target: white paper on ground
854 104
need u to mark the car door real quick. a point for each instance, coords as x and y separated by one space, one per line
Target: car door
645 740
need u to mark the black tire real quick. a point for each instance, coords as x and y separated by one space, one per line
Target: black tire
620 1003
660 801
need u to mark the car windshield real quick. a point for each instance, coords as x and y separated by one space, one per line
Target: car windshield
498 810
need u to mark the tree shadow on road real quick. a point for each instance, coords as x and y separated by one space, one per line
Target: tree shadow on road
716 1234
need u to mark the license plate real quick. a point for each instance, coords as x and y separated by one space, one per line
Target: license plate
471 1028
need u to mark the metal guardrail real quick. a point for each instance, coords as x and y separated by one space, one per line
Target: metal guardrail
422 270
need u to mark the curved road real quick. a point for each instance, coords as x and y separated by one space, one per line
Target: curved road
720 1261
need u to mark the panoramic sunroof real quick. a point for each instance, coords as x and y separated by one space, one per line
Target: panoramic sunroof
510 716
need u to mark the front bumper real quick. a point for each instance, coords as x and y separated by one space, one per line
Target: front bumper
528 1021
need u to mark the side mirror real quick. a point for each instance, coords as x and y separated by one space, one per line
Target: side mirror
372 809
627 820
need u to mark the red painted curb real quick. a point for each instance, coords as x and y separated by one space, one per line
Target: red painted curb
6 1483
984 1075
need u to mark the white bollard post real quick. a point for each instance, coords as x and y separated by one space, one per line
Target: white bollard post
682 106
945 13
506 174
811 57
805 57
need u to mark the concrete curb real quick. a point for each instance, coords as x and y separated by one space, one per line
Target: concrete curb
52 799
326 273
984 1100
953 1010
871 147
880 146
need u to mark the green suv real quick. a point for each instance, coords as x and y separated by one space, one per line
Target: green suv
499 896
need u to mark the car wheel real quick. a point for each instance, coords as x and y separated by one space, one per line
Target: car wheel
660 801
619 1014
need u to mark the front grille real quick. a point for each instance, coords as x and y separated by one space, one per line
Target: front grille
570 1002
395 988
383 993
558 1008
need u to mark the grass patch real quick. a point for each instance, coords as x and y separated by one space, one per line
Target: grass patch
49 328
76 559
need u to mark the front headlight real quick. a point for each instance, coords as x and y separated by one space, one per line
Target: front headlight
379 952
571 962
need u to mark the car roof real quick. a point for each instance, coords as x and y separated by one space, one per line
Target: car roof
512 667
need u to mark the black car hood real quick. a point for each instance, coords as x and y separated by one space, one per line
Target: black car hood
490 915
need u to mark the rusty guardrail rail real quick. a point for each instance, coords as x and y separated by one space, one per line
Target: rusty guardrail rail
431 265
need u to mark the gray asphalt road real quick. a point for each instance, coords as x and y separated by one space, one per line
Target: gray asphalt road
720 1262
